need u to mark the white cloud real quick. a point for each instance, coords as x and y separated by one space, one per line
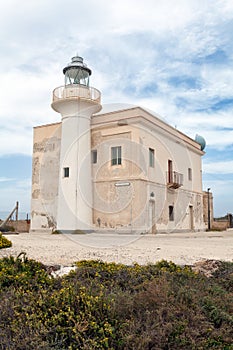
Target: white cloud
16 191
16 141
6 179
222 195
173 57
224 167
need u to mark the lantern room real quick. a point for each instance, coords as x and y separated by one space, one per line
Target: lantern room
77 72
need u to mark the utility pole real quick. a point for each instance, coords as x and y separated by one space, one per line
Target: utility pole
17 211
208 205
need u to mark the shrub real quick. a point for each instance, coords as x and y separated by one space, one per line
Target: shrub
56 232
78 232
113 306
4 242
22 272
7 228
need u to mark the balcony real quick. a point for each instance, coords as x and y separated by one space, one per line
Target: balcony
174 179
76 91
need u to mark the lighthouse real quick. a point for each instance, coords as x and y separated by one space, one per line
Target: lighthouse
143 175
76 101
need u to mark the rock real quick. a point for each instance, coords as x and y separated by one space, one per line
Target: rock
206 267
63 270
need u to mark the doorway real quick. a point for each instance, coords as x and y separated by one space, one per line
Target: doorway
170 171
152 225
191 222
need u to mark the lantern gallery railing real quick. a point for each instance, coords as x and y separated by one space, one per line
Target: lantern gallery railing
76 91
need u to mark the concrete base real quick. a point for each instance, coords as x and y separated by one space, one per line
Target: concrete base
41 230
76 232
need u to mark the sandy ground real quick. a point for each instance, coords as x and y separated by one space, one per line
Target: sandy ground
65 249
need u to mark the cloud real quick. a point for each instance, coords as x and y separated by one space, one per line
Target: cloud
224 167
222 194
173 57
12 191
5 179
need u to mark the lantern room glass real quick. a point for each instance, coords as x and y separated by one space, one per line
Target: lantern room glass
76 75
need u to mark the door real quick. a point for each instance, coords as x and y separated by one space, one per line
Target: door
170 180
191 224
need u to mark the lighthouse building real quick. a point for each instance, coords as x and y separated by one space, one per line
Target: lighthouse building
122 169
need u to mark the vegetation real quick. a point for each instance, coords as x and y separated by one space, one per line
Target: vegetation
4 242
77 232
113 306
7 228
225 217
56 232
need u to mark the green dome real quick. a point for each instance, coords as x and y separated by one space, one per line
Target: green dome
200 139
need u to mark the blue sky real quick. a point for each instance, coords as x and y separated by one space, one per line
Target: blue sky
173 56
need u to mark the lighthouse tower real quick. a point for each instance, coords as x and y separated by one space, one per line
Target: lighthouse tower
76 101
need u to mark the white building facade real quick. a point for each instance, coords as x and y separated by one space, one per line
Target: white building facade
125 170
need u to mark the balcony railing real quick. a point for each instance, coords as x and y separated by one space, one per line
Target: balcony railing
174 179
76 91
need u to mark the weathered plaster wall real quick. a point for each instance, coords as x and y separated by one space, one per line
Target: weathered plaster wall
131 206
120 191
133 195
45 175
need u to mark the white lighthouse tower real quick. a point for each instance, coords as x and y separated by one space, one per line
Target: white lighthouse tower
76 102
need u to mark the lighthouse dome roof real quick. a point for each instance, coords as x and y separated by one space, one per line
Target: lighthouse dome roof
200 139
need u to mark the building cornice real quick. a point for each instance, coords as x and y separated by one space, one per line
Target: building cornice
138 115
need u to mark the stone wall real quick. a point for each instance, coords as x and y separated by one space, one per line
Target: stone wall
221 225
20 225
45 176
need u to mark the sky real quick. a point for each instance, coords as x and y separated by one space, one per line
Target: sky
174 57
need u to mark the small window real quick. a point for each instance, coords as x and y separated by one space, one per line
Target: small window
151 157
190 174
66 172
171 213
94 156
116 155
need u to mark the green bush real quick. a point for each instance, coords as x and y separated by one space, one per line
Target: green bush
113 306
56 232
4 242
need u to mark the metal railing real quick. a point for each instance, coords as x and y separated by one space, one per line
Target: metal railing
76 91
174 179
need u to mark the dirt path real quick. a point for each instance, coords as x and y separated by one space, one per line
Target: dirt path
181 248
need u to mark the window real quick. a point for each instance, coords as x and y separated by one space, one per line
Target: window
94 156
190 174
66 172
116 155
171 213
151 157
